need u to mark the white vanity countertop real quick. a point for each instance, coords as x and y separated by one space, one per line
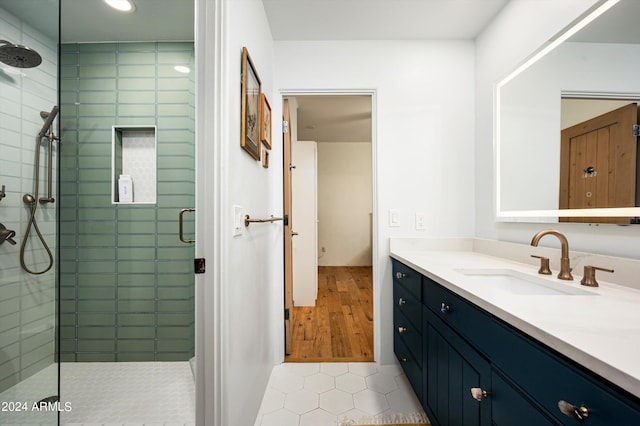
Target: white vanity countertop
600 332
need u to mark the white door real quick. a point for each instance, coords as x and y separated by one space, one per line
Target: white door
304 191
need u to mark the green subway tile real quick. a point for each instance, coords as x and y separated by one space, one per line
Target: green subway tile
174 97
136 319
96 319
95 71
68 58
97 96
94 87
136 306
169 71
136 84
136 280
91 357
67 318
68 280
136 121
173 122
68 47
180 57
96 280
97 110
136 253
175 46
136 333
136 213
127 240
97 214
67 306
145 110
136 293
101 175
178 253
175 319
170 135
69 98
87 345
67 332
95 163
96 267
96 293
180 110
94 201
68 72
175 267
183 162
97 227
141 267
174 345
135 345
137 227
96 253
137 58
95 188
68 345
176 293
137 47
137 97
96 306
96 332
135 356
96 240
97 47
96 136
97 58
168 83
67 292
95 123
136 71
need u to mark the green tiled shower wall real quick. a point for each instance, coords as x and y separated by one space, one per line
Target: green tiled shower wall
126 280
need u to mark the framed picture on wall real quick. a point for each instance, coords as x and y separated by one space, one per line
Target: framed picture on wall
251 91
265 114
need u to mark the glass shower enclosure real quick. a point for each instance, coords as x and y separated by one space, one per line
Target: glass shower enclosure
28 218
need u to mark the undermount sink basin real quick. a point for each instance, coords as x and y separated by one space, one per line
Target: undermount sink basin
518 283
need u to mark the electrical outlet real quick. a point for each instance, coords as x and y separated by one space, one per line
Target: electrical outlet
421 223
238 221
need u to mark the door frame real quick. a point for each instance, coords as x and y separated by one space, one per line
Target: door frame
375 262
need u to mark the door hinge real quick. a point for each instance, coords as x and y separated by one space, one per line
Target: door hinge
286 314
285 126
636 130
198 265
286 220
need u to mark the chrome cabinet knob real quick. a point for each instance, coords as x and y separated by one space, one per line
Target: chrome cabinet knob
479 394
402 330
577 413
400 275
401 302
444 308
403 359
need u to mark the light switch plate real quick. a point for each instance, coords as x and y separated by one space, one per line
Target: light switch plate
394 218
238 221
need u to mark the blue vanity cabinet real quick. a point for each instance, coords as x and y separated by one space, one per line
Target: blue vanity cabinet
464 347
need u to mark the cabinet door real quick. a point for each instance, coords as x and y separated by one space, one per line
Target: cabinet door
452 368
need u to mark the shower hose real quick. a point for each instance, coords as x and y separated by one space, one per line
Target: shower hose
32 202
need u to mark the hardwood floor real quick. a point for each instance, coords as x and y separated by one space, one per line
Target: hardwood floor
340 327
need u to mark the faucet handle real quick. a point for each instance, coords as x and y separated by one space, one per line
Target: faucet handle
544 265
589 278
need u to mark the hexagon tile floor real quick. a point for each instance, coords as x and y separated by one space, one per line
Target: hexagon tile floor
329 394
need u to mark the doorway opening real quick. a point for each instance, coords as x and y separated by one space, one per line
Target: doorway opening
328 185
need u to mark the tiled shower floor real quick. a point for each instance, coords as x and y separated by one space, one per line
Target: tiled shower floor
128 393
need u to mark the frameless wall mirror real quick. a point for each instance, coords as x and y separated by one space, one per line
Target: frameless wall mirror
560 156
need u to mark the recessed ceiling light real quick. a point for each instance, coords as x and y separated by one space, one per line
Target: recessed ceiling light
121 5
182 69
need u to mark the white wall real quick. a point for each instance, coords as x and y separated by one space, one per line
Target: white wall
345 203
515 36
237 303
423 140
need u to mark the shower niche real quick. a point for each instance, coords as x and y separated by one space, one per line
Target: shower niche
133 165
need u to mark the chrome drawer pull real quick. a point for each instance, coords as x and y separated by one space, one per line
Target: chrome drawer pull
403 359
577 413
479 394
402 330
444 308
400 275
401 302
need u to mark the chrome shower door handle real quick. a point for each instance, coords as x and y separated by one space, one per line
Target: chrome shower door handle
181 226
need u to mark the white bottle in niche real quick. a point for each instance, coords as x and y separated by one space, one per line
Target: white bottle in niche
125 189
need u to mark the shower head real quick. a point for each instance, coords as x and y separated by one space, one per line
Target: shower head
18 56
48 119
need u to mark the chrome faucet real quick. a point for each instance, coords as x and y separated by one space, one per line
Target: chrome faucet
565 268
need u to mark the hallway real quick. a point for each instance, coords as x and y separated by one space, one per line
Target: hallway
340 326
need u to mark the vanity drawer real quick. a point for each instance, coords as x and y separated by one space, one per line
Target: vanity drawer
412 367
409 333
549 378
408 304
407 278
471 322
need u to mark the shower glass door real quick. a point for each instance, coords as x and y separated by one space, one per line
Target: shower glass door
28 93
